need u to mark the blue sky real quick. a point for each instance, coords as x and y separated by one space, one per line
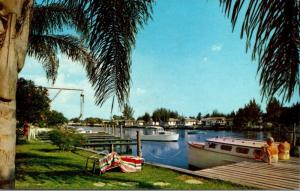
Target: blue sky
186 59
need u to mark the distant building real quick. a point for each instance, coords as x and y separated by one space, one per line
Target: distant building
189 122
140 122
172 122
151 122
213 121
199 122
129 123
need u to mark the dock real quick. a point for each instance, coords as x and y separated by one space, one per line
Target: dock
102 139
282 175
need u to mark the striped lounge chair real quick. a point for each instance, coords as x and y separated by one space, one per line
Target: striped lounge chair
126 163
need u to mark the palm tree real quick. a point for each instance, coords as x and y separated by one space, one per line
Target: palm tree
114 24
128 112
106 55
275 25
45 42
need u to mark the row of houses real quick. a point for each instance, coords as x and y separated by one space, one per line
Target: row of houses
172 122
209 121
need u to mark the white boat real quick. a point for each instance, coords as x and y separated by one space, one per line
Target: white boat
221 151
159 134
83 131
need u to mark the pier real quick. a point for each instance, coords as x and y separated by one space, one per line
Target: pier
103 139
281 175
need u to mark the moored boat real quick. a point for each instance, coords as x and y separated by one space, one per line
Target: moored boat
159 134
221 151
83 131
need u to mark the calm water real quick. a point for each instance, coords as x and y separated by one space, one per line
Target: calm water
175 153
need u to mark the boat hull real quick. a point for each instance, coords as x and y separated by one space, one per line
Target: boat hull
201 158
171 137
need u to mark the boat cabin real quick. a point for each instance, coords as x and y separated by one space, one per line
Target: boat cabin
237 147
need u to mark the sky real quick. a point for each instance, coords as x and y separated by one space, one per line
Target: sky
186 59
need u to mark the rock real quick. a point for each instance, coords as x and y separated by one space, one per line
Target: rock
99 184
193 181
161 183
127 184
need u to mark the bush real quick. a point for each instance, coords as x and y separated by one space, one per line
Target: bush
55 118
66 139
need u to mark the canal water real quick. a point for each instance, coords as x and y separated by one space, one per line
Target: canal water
175 153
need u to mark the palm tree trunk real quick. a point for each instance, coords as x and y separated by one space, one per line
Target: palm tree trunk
14 32
7 144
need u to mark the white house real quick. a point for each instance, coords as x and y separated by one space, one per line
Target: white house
151 122
189 122
172 122
212 121
129 123
140 122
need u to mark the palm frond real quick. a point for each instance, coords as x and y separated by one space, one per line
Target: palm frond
39 46
114 25
46 54
54 17
275 25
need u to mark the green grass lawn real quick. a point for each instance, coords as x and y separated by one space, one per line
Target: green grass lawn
42 166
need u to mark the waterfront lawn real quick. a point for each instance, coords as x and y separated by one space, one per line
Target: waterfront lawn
42 166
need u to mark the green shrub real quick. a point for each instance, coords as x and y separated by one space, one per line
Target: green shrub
66 139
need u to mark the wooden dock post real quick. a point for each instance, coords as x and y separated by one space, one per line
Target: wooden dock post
121 131
138 144
112 148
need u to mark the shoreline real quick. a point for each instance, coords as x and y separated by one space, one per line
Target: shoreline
221 128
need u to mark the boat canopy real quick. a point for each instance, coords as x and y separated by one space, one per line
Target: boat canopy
238 142
155 127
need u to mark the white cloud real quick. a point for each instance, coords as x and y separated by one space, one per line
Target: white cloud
216 47
70 67
140 91
205 59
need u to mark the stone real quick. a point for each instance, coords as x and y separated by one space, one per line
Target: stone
193 181
161 184
99 184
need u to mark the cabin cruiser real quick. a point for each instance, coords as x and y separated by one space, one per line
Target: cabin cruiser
223 150
159 134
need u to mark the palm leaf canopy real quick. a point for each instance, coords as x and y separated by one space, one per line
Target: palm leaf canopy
273 26
45 42
114 25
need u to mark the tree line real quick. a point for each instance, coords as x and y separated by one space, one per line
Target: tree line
33 106
248 116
